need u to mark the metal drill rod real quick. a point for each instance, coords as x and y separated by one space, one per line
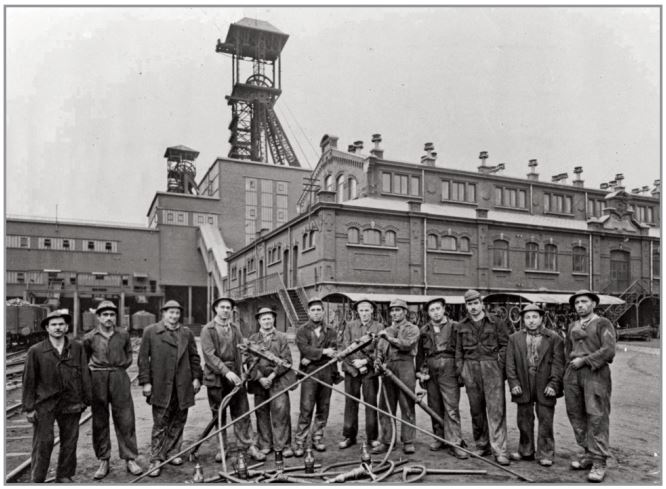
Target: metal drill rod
356 345
422 430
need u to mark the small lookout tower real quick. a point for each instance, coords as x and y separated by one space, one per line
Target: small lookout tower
181 170
255 128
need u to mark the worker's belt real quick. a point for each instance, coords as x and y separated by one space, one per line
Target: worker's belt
398 357
104 369
442 354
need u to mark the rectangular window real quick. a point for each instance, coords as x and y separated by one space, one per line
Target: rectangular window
20 277
498 195
568 204
510 197
386 182
281 188
650 215
415 186
522 199
446 192
546 202
169 216
471 192
24 242
91 245
65 244
108 246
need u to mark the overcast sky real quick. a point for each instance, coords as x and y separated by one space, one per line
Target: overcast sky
95 95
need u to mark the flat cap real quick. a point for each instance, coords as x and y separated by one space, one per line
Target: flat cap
265 310
398 303
472 294
172 305
432 301
532 307
362 300
315 300
586 292
220 299
58 313
106 306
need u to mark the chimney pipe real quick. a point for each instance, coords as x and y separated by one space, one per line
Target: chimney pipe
351 148
430 157
359 145
328 141
483 156
657 188
619 177
532 175
377 152
578 171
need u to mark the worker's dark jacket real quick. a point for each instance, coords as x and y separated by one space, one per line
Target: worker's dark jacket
550 367
52 381
284 377
436 345
312 347
211 347
352 332
485 342
169 364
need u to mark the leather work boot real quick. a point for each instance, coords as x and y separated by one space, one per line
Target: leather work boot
133 467
287 452
298 451
103 469
545 462
458 453
318 445
256 454
502 460
597 473
375 443
152 471
582 463
408 448
481 452
177 461
346 443
436 445
381 448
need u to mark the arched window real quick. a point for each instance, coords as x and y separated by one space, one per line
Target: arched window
352 235
340 196
550 257
432 242
579 263
372 237
500 254
389 238
305 241
328 183
312 238
463 244
352 188
448 243
532 256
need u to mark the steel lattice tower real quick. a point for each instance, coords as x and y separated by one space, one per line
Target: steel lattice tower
255 128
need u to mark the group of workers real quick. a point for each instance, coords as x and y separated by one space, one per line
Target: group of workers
62 376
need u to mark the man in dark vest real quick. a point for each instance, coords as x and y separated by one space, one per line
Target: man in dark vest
170 373
316 342
436 365
534 370
222 372
267 379
396 349
480 361
109 352
589 349
360 375
56 388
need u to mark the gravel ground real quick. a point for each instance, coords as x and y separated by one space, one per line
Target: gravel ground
635 436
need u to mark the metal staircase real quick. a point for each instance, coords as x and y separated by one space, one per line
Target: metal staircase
213 252
631 296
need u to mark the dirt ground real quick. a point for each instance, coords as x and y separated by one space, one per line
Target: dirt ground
635 435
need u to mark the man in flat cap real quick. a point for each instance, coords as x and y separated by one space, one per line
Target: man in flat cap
480 361
397 349
316 342
360 375
589 349
222 372
109 352
170 373
436 365
56 388
534 370
267 379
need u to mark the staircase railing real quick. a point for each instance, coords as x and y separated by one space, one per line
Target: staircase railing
287 305
631 295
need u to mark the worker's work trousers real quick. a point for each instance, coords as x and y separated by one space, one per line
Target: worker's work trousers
484 384
112 387
313 394
168 426
403 368
273 420
444 398
355 385
238 405
587 396
43 439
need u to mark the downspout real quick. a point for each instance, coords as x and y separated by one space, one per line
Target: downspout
425 257
651 265
531 197
590 261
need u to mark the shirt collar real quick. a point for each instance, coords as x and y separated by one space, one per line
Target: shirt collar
169 328
98 330
591 318
218 322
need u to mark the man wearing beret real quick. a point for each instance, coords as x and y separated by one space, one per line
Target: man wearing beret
222 372
316 342
397 349
360 375
480 361
436 366
534 370
589 349
170 373
56 388
267 379
109 352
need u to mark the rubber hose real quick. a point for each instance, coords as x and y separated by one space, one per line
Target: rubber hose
418 476
394 426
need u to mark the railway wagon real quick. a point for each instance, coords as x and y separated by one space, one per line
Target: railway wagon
22 323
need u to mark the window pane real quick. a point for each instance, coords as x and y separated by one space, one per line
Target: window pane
449 243
432 242
522 199
454 191
352 235
546 202
328 183
551 257
471 192
507 197
567 204
386 182
372 237
352 188
404 181
656 260
650 215
498 196
415 188
463 244
532 256
579 259
389 238
501 254
445 189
